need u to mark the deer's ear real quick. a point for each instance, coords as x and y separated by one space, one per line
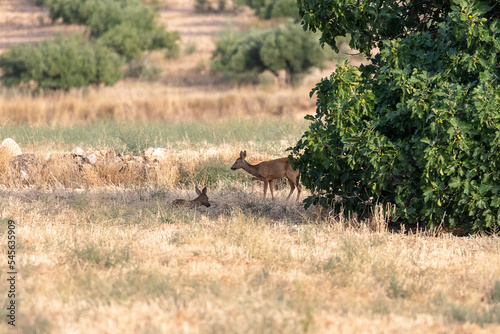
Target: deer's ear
204 190
197 190
244 154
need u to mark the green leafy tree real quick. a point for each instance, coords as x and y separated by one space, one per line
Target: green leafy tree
205 6
420 126
60 64
286 48
239 56
270 9
127 26
119 30
71 12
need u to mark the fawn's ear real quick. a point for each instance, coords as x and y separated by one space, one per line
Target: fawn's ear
204 191
197 190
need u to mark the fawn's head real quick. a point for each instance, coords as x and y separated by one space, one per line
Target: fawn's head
240 161
202 198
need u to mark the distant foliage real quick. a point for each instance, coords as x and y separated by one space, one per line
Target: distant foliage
420 127
207 6
120 31
126 26
287 48
61 64
269 9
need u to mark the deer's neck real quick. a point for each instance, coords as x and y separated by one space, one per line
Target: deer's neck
252 169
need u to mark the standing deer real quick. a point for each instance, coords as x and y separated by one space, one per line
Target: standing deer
202 199
270 170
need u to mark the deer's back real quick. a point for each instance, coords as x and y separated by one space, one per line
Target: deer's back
273 169
178 202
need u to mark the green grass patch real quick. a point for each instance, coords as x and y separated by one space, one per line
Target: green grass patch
100 254
134 137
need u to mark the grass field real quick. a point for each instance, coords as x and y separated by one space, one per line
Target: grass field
100 249
107 258
266 135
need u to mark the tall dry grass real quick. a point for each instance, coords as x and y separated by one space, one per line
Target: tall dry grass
182 165
115 260
148 102
100 249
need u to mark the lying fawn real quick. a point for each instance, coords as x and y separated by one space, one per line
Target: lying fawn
270 170
202 199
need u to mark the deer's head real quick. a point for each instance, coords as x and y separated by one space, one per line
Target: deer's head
202 198
240 161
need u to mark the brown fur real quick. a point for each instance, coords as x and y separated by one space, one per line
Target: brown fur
202 199
270 170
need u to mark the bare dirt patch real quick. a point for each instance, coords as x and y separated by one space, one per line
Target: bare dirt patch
21 21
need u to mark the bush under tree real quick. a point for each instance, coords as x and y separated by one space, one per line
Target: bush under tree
286 48
418 128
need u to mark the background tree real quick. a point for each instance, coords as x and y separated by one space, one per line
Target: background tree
418 127
121 31
126 26
270 9
286 48
60 64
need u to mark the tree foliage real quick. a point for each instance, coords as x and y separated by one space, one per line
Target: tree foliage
120 31
420 126
270 9
286 48
126 26
60 64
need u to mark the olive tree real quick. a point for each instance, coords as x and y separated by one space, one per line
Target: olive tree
60 64
119 32
285 48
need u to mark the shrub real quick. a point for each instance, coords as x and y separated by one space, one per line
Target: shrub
71 12
126 41
117 28
268 9
124 25
60 64
289 48
419 128
286 48
238 56
204 6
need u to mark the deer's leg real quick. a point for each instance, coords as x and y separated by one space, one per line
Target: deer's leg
271 186
299 189
265 188
292 187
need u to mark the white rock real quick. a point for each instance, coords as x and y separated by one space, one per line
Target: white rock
9 149
78 152
155 154
91 158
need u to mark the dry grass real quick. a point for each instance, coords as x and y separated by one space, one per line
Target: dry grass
129 101
188 157
99 245
90 259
